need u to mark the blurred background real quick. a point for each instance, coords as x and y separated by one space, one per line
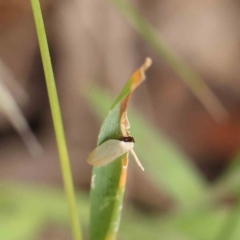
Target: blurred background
190 187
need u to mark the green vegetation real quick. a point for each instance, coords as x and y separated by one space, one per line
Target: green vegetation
57 119
108 182
199 214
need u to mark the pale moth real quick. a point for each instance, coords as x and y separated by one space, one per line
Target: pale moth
111 150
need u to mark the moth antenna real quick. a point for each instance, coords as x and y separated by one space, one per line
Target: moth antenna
136 159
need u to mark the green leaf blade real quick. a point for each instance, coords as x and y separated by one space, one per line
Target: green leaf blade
103 196
108 182
168 167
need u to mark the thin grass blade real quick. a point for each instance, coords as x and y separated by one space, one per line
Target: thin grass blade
10 109
108 182
191 78
164 162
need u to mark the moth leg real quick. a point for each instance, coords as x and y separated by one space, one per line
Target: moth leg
136 159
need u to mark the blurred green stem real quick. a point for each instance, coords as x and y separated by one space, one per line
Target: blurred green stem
57 119
174 61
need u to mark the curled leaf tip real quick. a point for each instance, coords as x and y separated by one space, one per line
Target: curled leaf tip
147 63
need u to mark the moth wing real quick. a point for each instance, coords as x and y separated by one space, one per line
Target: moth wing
108 151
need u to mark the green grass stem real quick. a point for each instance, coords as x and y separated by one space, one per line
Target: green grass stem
57 120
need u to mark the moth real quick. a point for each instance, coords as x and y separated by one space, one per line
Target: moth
111 150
